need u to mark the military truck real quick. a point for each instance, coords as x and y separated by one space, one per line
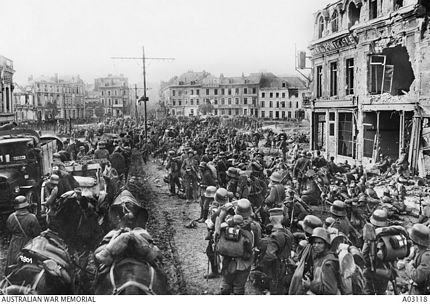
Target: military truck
22 167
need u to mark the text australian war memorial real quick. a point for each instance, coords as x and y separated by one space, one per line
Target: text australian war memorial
310 183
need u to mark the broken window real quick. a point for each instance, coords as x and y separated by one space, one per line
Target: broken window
373 9
319 81
335 22
391 72
353 14
398 4
346 139
293 93
333 79
350 76
320 27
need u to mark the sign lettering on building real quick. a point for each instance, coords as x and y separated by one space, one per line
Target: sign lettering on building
333 45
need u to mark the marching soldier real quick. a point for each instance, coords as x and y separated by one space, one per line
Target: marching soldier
23 226
278 249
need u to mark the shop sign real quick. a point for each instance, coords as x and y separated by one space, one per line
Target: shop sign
334 44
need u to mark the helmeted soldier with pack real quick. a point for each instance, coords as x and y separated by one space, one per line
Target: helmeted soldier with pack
383 246
174 165
419 268
220 200
275 252
237 236
275 198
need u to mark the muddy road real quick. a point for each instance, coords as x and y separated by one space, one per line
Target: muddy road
185 261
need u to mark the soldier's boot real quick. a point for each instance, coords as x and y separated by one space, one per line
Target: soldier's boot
214 272
204 216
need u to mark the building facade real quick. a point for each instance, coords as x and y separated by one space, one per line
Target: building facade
281 97
370 75
24 104
200 93
7 113
114 94
54 98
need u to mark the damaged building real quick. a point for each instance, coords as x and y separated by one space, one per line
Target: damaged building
371 81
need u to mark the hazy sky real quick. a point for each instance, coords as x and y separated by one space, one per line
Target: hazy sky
44 37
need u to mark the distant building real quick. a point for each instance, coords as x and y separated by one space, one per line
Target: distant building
281 97
114 94
194 93
24 104
7 113
58 98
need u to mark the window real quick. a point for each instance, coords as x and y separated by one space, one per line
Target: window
207 91
215 91
262 104
333 79
192 92
216 111
222 91
191 101
277 104
245 101
289 114
254 90
262 114
197 101
335 22
293 93
229 111
108 93
284 85
237 111
222 101
271 114
345 141
263 95
381 75
331 126
179 102
197 92
350 76
270 104
277 95
290 104
319 81
191 112
229 101
236 100
398 4
283 95
245 90
237 91
271 95
373 9
297 104
283 104
229 91
320 27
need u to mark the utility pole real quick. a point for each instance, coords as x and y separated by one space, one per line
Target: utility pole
144 98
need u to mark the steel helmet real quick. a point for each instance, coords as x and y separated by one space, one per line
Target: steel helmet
221 196
210 192
21 202
54 179
420 234
379 218
276 177
338 208
244 208
321 233
202 164
310 222
232 172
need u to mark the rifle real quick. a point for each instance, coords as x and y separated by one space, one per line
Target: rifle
421 205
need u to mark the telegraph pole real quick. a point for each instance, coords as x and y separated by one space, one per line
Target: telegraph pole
144 98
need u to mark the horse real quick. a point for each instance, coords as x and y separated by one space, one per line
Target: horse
77 224
126 205
131 276
43 267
